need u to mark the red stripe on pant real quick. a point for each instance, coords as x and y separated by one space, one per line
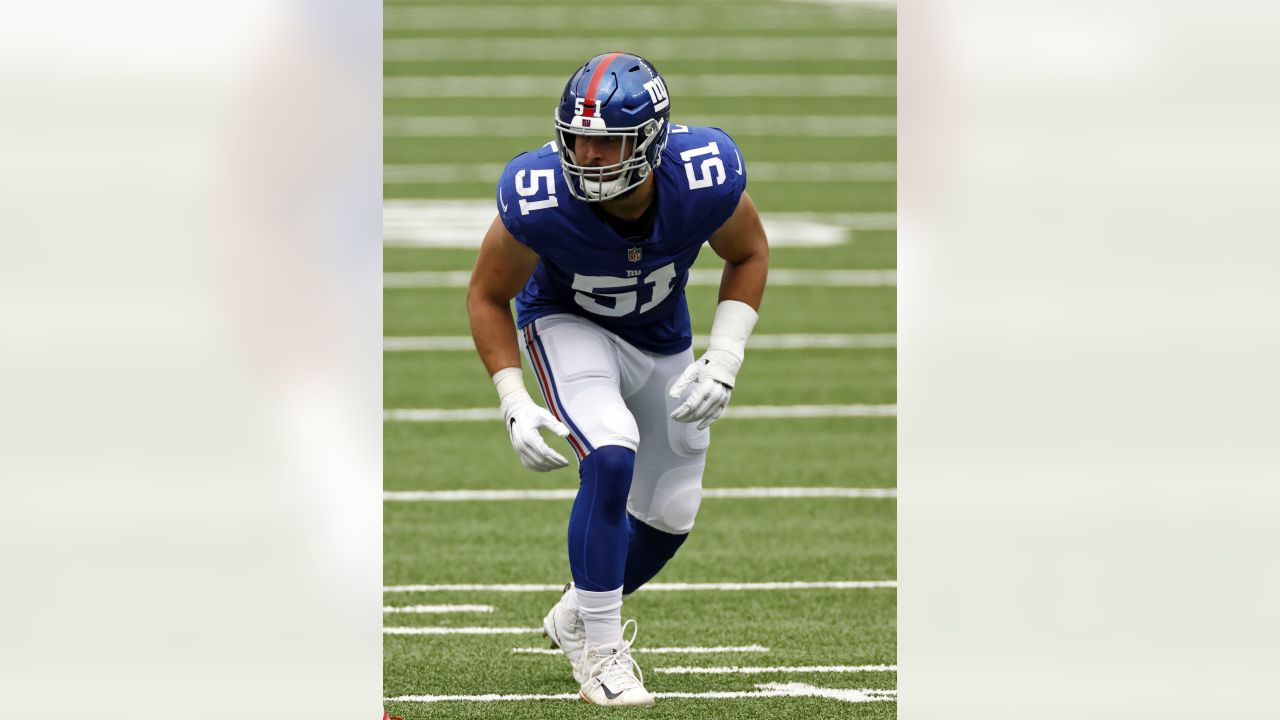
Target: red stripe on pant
544 381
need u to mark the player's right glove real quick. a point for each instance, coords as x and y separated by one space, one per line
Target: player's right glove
523 417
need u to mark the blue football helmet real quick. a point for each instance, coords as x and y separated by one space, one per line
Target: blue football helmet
616 95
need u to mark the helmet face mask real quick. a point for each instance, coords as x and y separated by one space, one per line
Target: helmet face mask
609 181
615 95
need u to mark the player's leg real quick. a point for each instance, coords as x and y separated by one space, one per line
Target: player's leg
576 364
666 485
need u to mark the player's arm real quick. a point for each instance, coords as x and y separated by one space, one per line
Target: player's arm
741 242
502 269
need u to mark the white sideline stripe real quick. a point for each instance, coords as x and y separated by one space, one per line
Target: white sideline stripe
736 670
697 278
585 18
660 587
690 86
462 224
668 48
569 494
459 630
748 412
756 342
433 609
764 690
533 127
763 171
657 650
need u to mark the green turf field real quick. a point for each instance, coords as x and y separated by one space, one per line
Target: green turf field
826 652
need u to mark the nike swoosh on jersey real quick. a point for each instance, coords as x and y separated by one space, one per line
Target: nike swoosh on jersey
504 204
739 168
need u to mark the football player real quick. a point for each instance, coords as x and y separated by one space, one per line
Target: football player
595 235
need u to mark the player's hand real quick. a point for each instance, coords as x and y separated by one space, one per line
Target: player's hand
523 417
711 378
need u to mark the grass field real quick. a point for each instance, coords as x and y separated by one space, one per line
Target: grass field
805 88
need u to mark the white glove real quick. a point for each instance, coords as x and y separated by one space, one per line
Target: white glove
523 417
713 375
710 392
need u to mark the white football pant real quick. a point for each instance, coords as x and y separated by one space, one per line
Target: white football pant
611 393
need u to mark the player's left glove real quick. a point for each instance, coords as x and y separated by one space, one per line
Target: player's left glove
713 375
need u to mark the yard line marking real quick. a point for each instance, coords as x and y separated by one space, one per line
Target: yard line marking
691 86
401 630
659 587
657 650
463 223
697 278
762 171
742 412
569 494
737 670
534 126
428 344
809 411
433 609
668 48
763 690
805 341
597 18
450 343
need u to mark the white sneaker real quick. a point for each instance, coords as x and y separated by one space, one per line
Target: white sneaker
564 628
610 680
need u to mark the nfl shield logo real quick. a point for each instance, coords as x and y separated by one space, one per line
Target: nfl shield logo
633 254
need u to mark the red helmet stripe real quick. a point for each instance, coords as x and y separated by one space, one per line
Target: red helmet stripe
589 103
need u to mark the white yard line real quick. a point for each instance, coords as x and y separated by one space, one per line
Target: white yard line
428 344
697 278
657 650
659 587
736 670
764 690
764 47
762 171
400 630
691 86
569 494
757 342
462 223
438 609
535 127
597 19
742 412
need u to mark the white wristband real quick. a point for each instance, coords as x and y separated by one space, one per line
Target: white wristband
509 381
732 326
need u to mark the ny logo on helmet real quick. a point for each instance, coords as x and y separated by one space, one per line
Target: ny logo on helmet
657 93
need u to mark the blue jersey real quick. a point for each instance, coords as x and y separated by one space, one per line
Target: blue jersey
635 290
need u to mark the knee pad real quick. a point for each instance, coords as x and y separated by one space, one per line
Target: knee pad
675 502
608 469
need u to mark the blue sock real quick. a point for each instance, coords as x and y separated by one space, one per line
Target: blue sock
649 550
598 530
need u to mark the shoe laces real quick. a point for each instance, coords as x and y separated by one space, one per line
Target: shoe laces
617 666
